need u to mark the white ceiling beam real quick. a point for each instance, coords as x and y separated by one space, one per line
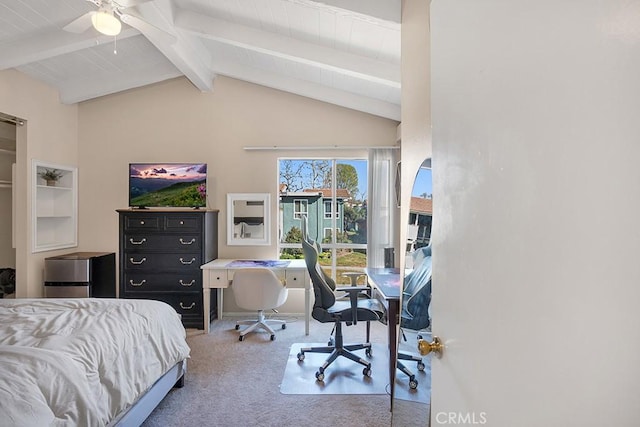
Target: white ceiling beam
54 43
289 48
187 54
308 89
108 83
385 10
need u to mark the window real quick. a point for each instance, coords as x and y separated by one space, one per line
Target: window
327 209
333 195
299 207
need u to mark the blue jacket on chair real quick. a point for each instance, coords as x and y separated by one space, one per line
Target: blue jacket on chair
416 294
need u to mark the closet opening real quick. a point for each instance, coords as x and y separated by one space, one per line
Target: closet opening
8 126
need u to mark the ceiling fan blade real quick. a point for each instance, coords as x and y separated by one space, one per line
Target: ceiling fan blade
81 24
131 3
147 29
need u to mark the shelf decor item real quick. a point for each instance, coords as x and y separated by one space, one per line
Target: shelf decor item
51 176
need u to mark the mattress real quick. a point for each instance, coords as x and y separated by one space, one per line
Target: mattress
82 361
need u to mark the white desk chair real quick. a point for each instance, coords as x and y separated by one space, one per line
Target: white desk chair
258 289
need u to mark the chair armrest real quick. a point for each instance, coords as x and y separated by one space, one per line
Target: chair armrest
353 298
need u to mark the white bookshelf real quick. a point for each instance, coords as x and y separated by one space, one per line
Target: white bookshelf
55 208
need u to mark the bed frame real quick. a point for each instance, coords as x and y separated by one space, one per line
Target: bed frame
143 407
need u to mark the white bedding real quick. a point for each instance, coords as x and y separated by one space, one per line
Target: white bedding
82 361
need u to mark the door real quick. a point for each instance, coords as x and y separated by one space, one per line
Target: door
536 188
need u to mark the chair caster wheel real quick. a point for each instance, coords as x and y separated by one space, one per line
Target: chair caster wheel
320 375
331 342
367 352
413 383
300 357
421 366
367 371
284 326
237 327
241 338
273 337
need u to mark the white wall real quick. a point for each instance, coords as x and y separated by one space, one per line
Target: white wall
174 122
416 106
50 134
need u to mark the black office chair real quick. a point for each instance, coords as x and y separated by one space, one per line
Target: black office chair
326 309
332 284
414 315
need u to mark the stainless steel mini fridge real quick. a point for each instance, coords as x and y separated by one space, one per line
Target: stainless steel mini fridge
80 275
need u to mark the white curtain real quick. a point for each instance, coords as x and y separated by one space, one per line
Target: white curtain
380 205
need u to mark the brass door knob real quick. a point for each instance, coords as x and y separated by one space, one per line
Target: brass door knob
436 347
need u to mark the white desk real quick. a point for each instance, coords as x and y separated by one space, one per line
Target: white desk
218 274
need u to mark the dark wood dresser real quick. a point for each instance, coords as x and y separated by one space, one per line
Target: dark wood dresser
161 252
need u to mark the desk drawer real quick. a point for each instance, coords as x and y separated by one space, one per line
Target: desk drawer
295 278
217 279
279 272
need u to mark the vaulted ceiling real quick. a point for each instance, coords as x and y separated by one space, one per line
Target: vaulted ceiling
344 52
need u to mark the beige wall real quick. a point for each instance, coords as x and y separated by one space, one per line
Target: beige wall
174 122
49 134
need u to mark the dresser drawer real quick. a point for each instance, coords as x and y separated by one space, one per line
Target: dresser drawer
140 222
187 305
162 242
166 282
176 223
162 262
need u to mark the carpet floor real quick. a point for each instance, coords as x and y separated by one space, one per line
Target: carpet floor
237 383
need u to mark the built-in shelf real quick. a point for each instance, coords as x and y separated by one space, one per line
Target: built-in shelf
55 208
9 152
5 184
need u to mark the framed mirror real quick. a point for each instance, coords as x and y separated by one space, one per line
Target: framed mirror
412 390
248 221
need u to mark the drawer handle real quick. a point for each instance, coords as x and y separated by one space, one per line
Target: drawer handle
132 283
137 262
133 242
187 308
181 222
141 222
187 262
187 284
192 241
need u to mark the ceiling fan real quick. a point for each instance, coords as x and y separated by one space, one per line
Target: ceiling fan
109 17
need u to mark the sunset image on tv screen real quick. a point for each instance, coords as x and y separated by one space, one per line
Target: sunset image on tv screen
167 184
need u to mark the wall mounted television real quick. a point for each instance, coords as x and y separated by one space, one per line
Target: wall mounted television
175 185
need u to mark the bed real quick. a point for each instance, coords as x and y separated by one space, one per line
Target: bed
86 361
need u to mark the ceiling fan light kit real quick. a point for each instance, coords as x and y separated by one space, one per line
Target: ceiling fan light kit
106 23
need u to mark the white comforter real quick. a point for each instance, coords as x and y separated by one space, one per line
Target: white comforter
82 361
